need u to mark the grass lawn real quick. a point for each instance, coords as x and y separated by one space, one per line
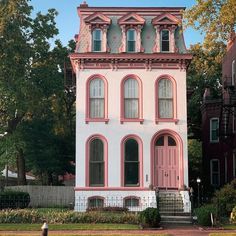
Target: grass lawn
229 226
222 234
32 227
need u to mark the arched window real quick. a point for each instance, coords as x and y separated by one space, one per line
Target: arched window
165 40
97 40
131 99
96 99
131 40
165 99
131 163
95 202
96 162
131 201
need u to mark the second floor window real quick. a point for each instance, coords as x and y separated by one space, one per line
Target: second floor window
233 72
165 41
131 40
165 99
97 40
96 98
131 99
214 128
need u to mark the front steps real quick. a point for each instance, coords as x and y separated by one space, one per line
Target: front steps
172 209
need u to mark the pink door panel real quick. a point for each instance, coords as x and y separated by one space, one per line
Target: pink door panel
166 170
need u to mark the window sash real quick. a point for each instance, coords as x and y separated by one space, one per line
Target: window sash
214 126
97 40
131 40
131 108
165 108
96 173
215 173
165 41
96 108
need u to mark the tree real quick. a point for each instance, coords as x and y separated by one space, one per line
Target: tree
204 71
216 18
31 73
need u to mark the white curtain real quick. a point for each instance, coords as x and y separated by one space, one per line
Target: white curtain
96 98
131 98
165 99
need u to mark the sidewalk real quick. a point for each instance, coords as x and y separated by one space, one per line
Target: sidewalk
187 231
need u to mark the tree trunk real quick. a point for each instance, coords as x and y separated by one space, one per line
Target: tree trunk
21 167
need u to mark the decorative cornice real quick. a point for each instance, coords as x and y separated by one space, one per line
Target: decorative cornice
83 61
97 19
165 19
131 19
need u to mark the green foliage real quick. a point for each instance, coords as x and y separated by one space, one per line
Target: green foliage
195 159
233 216
203 214
14 199
204 71
225 199
216 18
150 217
65 216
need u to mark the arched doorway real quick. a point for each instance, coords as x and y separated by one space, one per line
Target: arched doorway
166 162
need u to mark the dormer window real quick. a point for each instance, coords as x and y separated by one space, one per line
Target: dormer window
165 41
98 25
97 40
131 26
131 40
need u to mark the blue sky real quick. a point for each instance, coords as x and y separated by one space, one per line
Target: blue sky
68 21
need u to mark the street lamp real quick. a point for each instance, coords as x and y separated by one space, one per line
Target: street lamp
198 192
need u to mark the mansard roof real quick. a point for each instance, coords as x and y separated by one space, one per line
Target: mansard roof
131 19
165 19
97 18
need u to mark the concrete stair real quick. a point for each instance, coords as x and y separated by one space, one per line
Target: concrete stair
172 209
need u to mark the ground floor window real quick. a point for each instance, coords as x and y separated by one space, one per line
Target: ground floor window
131 202
215 172
95 202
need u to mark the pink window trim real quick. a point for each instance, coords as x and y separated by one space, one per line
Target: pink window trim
179 144
131 197
87 111
140 105
174 90
105 143
140 146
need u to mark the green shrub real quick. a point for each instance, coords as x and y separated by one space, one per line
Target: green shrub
150 217
225 199
203 214
65 216
233 216
14 199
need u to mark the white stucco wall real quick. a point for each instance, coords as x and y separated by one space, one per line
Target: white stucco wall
114 131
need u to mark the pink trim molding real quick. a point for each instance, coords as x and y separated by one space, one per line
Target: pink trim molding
179 143
87 110
174 91
111 189
140 100
140 147
87 154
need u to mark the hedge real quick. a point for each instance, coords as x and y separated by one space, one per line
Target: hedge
65 216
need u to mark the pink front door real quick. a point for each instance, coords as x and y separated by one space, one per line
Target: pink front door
166 163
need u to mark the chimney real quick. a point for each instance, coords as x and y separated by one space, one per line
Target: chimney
231 40
83 5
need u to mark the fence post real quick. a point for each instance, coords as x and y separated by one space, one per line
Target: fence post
157 198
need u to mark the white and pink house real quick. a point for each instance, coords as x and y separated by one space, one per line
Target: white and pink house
131 120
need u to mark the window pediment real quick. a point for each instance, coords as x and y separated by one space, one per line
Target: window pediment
131 19
165 19
97 19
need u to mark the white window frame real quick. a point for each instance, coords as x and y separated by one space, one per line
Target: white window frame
211 171
165 40
128 40
211 129
233 73
93 40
